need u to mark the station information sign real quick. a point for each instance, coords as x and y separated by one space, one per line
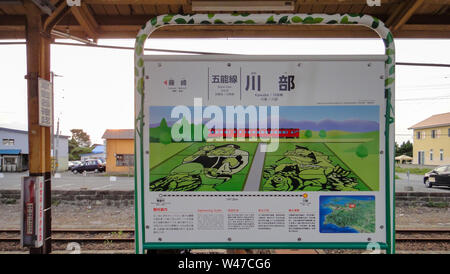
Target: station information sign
263 151
45 103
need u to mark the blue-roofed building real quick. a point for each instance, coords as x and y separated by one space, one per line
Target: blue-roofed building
97 153
14 150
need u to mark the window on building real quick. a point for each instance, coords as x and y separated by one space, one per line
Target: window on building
448 132
433 133
441 155
8 142
431 155
421 158
125 160
418 134
10 160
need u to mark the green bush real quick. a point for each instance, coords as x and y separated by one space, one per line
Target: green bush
415 170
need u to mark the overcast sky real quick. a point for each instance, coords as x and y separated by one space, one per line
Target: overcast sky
95 91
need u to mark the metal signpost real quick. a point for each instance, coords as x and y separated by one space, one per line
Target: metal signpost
264 151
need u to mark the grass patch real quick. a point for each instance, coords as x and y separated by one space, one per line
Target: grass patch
415 170
396 177
437 204
366 168
161 152
56 202
277 158
9 201
119 174
235 183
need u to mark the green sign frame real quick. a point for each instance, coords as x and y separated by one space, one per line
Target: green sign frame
264 19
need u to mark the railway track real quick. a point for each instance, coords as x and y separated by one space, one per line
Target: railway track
127 235
422 235
77 235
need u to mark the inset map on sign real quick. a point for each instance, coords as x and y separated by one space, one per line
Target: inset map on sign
347 214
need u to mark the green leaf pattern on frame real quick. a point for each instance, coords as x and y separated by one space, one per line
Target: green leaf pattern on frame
245 18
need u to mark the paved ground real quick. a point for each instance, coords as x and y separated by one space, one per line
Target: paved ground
69 181
416 182
92 181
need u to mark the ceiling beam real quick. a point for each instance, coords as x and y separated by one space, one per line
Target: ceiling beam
86 20
395 13
300 2
232 6
56 16
140 19
137 2
107 32
405 14
45 5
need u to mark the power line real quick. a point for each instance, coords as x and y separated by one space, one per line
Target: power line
422 64
424 99
201 52
132 48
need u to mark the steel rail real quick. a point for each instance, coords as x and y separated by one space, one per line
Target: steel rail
79 230
129 230
75 239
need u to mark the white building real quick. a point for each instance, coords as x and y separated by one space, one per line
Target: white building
14 151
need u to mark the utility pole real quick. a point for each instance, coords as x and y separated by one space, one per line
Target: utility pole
52 77
54 147
57 146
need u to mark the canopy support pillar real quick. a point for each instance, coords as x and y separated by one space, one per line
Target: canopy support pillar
39 137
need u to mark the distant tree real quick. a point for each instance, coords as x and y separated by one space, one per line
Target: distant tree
322 134
361 151
81 137
75 154
79 143
72 144
308 133
406 148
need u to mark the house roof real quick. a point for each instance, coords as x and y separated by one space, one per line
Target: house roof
118 134
437 120
10 151
99 149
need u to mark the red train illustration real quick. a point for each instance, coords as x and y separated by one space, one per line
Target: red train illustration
247 133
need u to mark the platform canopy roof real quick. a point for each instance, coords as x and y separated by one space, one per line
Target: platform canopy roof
97 19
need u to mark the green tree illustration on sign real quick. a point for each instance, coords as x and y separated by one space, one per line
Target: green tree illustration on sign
308 133
322 134
361 151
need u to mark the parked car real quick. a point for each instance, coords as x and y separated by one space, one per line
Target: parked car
103 163
439 176
73 164
89 165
